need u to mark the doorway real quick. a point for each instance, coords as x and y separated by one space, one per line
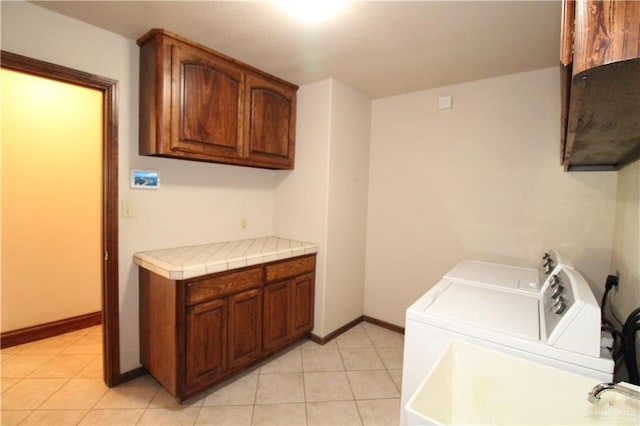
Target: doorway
108 190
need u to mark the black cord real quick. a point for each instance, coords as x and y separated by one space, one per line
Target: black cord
624 341
613 311
631 326
612 281
617 340
603 305
631 357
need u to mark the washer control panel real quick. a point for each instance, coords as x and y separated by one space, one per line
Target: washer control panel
570 313
550 265
549 261
557 298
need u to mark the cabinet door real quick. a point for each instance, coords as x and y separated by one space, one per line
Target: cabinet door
245 327
302 296
270 122
206 104
206 341
277 308
605 31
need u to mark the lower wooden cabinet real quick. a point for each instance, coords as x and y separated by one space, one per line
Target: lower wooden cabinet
303 292
206 341
288 307
277 309
245 328
197 332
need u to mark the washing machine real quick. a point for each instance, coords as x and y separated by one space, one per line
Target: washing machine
508 277
559 326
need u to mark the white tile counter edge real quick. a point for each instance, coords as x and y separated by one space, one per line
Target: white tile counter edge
182 263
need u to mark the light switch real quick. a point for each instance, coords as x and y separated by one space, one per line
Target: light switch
127 208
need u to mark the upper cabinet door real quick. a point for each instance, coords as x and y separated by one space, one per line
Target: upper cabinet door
606 31
270 122
601 95
206 104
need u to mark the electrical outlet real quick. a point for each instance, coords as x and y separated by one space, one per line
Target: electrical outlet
243 223
445 102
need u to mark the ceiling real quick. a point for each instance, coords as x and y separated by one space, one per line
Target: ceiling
379 48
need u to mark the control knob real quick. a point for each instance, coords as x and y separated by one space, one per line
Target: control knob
557 292
560 306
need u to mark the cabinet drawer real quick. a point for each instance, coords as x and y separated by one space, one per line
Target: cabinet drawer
223 285
290 268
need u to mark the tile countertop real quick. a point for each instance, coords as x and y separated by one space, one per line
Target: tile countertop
181 263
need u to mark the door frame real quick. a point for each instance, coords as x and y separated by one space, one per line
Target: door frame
110 286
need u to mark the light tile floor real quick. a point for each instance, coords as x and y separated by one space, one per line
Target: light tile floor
352 380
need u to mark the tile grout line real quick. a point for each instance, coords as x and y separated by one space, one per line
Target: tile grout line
98 400
259 373
304 387
52 356
355 400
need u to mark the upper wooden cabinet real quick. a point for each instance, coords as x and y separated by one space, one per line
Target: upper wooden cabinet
269 108
198 104
600 68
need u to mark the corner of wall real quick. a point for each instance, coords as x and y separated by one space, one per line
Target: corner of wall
625 255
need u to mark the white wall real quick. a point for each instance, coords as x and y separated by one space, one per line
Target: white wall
481 180
197 202
625 257
324 199
301 205
347 220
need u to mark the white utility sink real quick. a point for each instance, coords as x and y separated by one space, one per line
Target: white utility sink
472 385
